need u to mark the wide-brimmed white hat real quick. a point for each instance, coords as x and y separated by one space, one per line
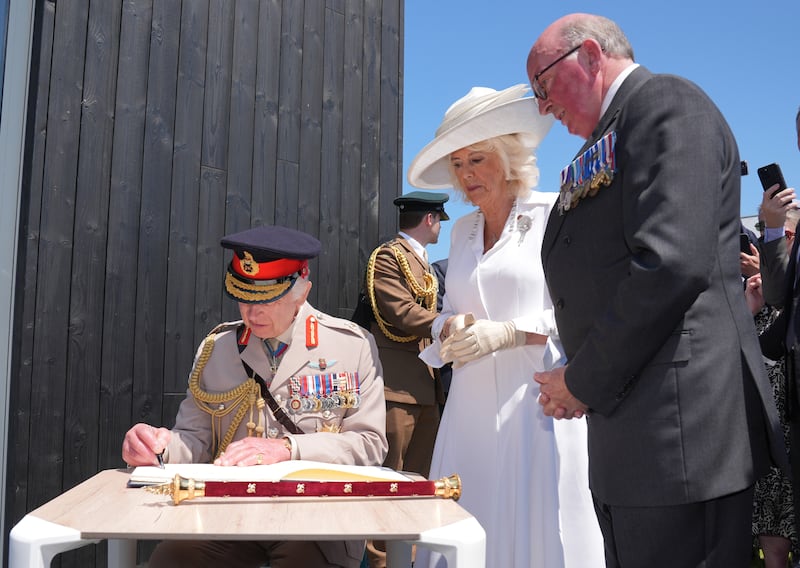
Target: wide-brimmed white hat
482 114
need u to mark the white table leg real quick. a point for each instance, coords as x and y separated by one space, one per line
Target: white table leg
398 554
33 542
121 553
463 544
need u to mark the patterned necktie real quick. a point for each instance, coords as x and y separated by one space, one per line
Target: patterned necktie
275 349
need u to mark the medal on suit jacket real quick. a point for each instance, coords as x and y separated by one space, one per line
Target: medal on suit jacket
587 173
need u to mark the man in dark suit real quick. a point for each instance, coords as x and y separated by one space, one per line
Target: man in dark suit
446 372
641 259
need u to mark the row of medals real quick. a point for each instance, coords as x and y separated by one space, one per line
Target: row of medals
299 404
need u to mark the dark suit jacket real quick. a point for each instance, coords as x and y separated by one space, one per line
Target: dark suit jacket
779 275
773 263
407 378
445 372
649 304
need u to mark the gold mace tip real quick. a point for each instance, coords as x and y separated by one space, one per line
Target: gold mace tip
448 487
180 489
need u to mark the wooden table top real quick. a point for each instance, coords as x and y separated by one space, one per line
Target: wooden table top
104 507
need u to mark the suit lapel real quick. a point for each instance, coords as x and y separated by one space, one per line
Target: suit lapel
631 83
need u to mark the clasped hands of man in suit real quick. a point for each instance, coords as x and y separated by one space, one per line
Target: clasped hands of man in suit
554 396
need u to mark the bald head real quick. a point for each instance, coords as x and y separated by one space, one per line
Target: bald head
572 65
573 29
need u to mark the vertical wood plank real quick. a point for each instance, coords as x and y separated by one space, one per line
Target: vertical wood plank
329 266
337 6
354 247
216 111
123 227
309 180
370 126
242 102
184 205
287 179
208 284
389 164
265 135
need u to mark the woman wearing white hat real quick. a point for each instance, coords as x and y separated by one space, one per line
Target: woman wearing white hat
524 476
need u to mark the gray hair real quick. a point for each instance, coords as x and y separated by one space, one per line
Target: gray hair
606 32
519 163
298 288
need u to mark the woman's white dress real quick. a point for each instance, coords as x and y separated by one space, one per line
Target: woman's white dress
524 475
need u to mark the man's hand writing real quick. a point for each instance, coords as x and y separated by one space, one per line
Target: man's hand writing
142 443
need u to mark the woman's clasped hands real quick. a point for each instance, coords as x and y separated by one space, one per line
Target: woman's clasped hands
476 338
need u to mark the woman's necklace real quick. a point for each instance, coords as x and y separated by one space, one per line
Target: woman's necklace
490 237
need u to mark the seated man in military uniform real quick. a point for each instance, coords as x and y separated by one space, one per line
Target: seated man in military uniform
285 382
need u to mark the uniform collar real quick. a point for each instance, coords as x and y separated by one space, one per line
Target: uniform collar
415 245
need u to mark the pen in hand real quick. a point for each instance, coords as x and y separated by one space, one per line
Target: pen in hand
160 457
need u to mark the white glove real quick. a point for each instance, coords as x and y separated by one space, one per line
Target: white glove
456 322
479 339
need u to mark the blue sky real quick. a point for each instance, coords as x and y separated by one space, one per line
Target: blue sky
743 54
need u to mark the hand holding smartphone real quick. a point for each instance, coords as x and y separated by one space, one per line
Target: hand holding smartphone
769 176
744 244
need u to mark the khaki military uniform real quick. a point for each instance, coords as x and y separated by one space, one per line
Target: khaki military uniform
348 429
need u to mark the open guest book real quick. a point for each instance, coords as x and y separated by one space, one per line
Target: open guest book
294 470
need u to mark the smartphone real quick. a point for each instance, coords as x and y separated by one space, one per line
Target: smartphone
744 243
769 176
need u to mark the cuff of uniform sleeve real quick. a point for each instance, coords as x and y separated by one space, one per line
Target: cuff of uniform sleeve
292 447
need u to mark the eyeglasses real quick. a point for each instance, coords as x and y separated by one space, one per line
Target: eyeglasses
538 90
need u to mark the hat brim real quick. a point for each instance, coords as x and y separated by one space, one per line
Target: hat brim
430 170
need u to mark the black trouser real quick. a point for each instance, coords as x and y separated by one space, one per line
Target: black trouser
709 534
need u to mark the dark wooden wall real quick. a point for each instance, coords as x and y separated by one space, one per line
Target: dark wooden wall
154 128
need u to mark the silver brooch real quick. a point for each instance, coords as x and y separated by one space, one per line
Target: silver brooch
523 226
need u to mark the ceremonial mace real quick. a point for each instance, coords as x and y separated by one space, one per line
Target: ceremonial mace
182 488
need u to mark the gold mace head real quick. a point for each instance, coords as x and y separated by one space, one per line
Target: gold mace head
180 489
448 487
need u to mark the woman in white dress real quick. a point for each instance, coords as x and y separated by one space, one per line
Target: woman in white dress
524 477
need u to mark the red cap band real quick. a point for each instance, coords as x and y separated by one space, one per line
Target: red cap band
272 270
